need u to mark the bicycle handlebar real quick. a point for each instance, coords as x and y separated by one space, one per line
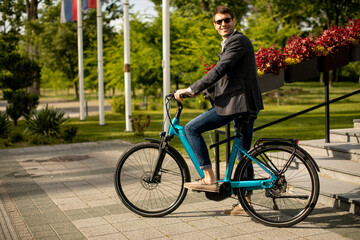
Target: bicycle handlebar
172 96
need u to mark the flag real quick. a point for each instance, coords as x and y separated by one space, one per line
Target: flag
89 4
68 11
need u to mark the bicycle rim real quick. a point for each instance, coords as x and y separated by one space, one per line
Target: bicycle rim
132 175
294 195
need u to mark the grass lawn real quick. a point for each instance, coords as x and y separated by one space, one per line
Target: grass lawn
291 98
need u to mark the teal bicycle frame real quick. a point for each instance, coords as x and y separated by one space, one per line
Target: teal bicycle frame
178 130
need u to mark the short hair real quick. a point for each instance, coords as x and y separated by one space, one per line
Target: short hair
223 10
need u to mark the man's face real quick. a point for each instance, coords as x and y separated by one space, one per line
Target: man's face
224 24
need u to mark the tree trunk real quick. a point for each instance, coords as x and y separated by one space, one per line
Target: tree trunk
205 5
321 77
76 91
31 12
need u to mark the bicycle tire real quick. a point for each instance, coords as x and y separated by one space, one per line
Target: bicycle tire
133 170
294 195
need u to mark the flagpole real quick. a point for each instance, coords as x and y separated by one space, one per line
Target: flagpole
166 58
127 73
80 59
100 62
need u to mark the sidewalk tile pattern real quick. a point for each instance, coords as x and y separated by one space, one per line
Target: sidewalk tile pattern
67 192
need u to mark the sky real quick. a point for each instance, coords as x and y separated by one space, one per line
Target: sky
143 6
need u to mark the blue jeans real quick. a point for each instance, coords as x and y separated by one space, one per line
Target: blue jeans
245 142
206 121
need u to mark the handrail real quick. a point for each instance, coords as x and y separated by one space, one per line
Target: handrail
306 110
227 132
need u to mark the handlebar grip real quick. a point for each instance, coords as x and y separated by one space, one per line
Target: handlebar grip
184 96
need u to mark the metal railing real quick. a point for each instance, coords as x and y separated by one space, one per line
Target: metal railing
327 124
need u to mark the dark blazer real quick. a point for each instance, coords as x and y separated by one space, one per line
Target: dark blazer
233 81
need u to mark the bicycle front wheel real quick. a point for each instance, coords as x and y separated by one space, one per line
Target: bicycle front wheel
293 196
133 186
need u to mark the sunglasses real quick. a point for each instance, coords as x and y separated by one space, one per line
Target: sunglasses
219 22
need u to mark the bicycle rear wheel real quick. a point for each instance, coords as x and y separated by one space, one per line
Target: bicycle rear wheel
133 186
293 196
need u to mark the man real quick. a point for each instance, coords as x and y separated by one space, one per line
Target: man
233 83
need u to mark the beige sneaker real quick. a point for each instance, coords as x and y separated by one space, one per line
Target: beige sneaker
200 185
236 210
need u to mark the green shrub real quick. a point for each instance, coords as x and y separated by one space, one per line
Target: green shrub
4 125
4 143
21 104
68 133
46 122
16 137
38 139
153 106
118 104
188 103
201 103
136 106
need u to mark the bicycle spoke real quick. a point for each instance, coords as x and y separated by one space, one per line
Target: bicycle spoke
134 185
292 197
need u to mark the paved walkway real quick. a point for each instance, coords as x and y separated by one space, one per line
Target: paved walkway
66 192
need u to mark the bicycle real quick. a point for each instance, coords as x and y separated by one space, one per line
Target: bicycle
149 177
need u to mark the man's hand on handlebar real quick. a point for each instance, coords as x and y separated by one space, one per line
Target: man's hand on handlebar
179 94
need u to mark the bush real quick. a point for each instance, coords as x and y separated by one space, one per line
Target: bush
153 106
136 106
118 104
201 103
4 143
46 122
16 137
68 133
21 104
4 125
38 139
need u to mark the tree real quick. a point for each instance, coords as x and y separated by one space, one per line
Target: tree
31 7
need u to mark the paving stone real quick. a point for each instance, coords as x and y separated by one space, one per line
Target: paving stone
100 230
43 231
275 234
46 205
116 209
89 222
131 225
140 235
176 228
96 211
65 228
207 223
115 236
116 218
73 236
192 236
223 232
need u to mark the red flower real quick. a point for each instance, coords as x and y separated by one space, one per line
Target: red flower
300 48
334 39
207 67
270 60
353 29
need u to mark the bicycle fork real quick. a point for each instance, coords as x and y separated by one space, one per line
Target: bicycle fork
155 177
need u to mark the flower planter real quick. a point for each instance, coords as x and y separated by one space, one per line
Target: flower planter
301 71
334 60
354 53
271 81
